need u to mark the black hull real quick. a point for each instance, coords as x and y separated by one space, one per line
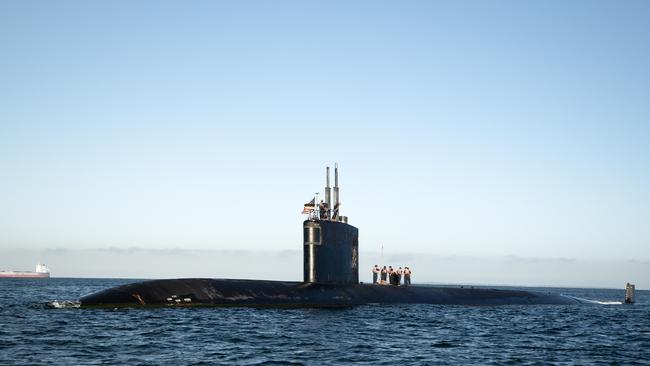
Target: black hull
257 293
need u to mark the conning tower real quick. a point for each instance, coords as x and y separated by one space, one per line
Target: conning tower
330 244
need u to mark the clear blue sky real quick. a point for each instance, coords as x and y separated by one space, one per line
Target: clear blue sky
501 128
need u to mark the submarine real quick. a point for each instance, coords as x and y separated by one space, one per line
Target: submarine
330 278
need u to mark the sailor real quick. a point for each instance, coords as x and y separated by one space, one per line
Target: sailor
391 275
398 275
407 276
384 273
323 209
375 273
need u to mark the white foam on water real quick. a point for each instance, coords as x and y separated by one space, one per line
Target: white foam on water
63 304
609 302
596 301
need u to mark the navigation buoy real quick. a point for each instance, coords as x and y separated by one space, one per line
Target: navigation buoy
629 293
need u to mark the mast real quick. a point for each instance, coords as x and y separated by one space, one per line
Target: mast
328 195
335 213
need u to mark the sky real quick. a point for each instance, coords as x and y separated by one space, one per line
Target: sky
505 132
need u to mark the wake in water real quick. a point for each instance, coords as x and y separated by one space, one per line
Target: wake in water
596 302
609 302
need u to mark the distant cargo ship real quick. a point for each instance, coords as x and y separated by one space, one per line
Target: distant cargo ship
41 272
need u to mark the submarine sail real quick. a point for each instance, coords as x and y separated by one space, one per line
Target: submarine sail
330 247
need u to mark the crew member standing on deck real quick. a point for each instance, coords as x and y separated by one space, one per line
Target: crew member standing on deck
384 273
375 273
391 275
407 276
398 274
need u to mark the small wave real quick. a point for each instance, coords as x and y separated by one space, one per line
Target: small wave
62 304
443 344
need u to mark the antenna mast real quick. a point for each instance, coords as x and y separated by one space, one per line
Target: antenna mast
328 195
335 214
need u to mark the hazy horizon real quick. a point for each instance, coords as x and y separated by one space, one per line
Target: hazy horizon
286 265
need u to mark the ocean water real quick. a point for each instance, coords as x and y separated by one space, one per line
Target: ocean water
603 332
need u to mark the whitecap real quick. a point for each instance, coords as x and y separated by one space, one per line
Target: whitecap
62 304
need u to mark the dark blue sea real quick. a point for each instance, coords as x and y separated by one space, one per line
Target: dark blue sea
603 332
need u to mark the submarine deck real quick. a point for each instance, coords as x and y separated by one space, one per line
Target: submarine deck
281 294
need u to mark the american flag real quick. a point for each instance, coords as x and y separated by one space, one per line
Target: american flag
309 206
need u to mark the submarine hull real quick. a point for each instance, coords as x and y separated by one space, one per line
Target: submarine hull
258 293
330 275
